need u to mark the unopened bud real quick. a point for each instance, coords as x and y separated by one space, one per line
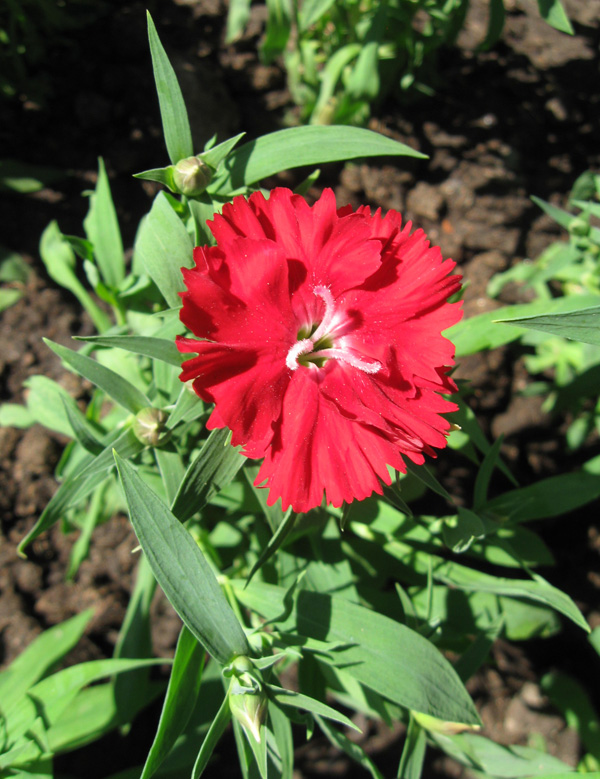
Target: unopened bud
149 426
191 176
579 227
249 709
436 725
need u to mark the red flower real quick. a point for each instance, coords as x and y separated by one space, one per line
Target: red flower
323 350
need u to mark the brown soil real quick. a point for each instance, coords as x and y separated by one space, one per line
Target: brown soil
519 120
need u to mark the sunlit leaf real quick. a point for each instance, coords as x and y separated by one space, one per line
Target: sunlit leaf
176 126
181 570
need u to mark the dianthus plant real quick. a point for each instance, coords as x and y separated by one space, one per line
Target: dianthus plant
266 417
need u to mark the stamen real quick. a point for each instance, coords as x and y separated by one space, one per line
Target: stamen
351 359
325 294
298 349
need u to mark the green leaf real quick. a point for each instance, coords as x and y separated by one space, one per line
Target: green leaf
93 713
311 11
164 176
78 484
102 229
13 267
275 542
215 156
184 686
51 697
38 658
135 640
580 325
8 297
462 530
59 259
281 727
214 468
564 218
182 571
23 177
92 515
237 19
15 415
176 126
480 753
424 475
216 730
279 27
354 751
164 247
538 590
382 654
550 497
314 145
483 331
573 701
115 386
82 430
149 346
47 402
484 474
364 81
413 752
553 12
290 698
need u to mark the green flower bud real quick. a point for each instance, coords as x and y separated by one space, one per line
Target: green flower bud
249 709
436 725
191 176
579 227
149 426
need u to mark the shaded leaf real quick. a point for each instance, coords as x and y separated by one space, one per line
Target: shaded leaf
215 466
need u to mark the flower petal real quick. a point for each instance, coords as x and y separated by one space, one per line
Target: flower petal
246 385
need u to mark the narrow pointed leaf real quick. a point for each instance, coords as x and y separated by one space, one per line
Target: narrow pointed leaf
214 468
59 259
553 12
164 247
149 346
582 325
184 686
382 654
215 156
79 484
216 730
176 126
275 542
539 590
413 753
351 748
181 570
312 145
115 386
102 229
43 652
54 694
305 703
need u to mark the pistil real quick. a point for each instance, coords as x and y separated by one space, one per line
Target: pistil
321 345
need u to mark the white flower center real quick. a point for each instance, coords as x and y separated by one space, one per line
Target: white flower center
322 344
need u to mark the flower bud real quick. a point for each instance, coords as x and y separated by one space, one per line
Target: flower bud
191 176
249 709
149 426
579 227
436 725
